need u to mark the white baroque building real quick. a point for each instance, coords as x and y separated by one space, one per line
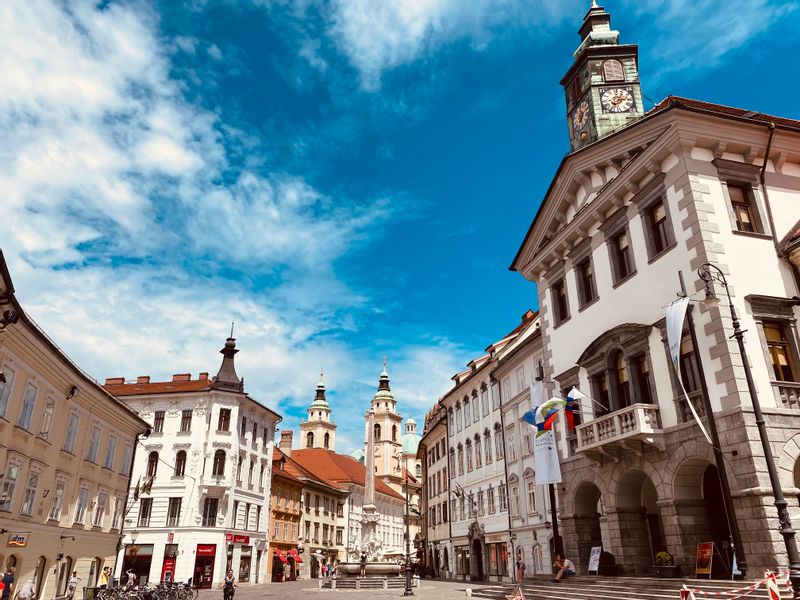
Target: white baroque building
209 456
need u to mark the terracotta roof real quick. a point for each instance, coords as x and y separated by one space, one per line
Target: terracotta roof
681 102
338 469
296 470
157 387
791 239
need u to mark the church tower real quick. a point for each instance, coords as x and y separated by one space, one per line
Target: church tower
602 86
318 431
387 424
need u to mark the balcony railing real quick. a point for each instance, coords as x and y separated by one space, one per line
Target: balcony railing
787 394
627 429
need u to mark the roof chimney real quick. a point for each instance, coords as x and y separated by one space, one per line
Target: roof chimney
143 379
115 380
181 377
286 442
203 376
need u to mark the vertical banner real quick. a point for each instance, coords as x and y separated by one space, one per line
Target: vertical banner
676 313
545 458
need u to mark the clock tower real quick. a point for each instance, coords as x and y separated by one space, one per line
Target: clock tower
602 86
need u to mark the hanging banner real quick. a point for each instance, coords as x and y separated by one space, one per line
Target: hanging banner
676 313
545 458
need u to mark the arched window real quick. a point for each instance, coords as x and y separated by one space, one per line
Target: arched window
218 469
451 419
152 464
418 470
469 455
310 440
498 441
458 416
460 459
180 463
377 432
467 417
476 408
394 433
612 70
327 440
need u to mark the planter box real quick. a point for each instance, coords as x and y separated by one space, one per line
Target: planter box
667 571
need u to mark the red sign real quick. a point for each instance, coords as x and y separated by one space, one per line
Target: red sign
705 554
228 537
206 549
241 539
170 539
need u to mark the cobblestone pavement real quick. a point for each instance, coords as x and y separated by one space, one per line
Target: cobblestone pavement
303 589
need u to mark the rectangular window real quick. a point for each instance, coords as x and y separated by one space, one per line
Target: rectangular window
466 413
503 497
316 533
186 420
339 536
255 433
308 531
275 530
145 509
506 389
621 256
743 210
512 449
100 509
643 377
690 374
485 402
560 302
5 389
72 431
781 357
210 512
265 437
469 457
478 453
29 497
514 500
657 221
453 507
111 450
531 497
521 379
47 418
58 501
117 516
158 422
243 428
490 500
28 404
83 503
224 422
94 444
340 510
498 442
308 502
587 291
126 460
174 512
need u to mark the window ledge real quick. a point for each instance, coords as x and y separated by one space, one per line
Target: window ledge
589 303
752 234
21 429
183 433
624 279
68 453
655 257
561 322
156 434
223 431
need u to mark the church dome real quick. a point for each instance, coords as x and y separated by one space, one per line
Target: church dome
410 443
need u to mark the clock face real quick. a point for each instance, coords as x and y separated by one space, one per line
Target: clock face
617 100
581 115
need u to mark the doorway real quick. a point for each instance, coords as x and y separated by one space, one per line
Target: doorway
204 566
477 561
40 575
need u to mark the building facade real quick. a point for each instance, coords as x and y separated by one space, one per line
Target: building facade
66 446
435 501
686 184
208 461
285 513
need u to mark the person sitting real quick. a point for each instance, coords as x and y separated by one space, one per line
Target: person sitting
566 568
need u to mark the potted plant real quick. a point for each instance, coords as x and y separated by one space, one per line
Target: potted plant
665 565
607 564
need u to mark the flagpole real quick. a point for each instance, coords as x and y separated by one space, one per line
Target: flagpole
558 546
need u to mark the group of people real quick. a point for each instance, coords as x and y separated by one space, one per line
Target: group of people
564 567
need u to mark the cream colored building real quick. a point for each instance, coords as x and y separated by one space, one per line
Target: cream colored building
66 449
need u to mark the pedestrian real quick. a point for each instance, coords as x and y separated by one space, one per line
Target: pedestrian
27 591
229 586
363 564
72 585
104 578
335 569
566 568
520 569
130 583
8 583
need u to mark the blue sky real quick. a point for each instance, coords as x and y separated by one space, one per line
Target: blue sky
344 179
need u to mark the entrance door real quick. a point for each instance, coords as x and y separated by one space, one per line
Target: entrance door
204 565
477 554
717 521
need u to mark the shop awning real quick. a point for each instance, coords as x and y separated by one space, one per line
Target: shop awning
293 553
281 556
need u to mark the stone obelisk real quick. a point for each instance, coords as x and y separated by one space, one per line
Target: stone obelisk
369 517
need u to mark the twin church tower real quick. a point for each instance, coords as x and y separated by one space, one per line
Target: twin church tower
393 449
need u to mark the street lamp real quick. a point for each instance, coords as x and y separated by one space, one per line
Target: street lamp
408 591
710 273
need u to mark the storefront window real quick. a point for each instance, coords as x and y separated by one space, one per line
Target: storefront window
244 564
498 559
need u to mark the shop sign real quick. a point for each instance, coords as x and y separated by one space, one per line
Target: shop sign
495 538
206 549
170 537
241 539
18 540
705 554
228 537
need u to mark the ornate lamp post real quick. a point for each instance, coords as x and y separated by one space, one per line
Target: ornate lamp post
710 273
408 591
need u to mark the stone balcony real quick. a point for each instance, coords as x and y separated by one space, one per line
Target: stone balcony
630 429
787 394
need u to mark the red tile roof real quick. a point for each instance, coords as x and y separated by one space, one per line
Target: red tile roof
294 469
338 469
157 387
678 101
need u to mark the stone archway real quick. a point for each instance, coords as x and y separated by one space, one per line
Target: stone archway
586 521
638 519
476 562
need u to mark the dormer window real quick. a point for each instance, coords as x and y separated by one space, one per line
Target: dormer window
613 71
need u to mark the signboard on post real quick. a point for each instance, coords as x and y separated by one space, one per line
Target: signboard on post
594 559
705 556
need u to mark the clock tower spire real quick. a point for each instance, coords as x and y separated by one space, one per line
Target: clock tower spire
602 86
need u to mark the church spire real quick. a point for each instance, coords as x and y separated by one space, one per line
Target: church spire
226 377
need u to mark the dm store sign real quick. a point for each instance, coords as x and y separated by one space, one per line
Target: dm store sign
17 540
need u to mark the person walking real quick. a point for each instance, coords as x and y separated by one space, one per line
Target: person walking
363 564
229 586
8 583
72 585
520 569
27 591
566 568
